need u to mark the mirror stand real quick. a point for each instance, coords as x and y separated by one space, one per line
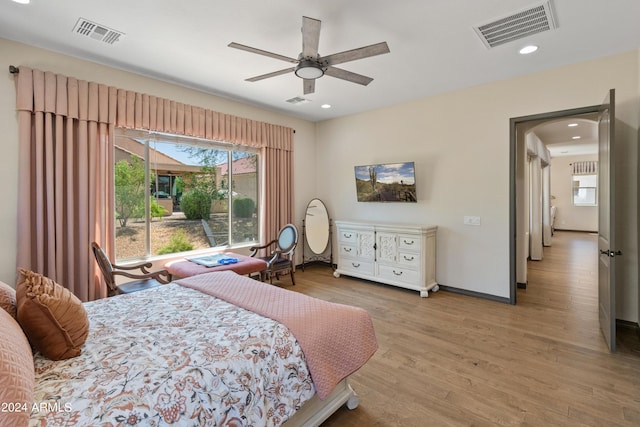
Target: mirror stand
317 258
317 235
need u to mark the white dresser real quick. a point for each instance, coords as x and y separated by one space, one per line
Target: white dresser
395 254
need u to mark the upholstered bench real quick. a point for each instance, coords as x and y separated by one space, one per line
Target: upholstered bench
246 265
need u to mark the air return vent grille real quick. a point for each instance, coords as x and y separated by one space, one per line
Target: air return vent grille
534 20
297 100
96 31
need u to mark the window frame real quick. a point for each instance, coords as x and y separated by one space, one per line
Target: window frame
151 137
575 189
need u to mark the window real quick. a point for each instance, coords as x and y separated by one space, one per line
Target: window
585 183
585 190
173 194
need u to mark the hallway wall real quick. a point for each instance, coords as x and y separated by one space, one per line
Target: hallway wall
568 216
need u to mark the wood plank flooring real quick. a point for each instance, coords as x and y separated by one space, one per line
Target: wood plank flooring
454 360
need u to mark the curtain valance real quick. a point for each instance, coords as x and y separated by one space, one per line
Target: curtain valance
585 168
43 91
536 148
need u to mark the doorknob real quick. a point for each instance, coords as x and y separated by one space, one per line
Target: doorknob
610 253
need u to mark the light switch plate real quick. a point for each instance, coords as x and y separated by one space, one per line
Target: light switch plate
472 220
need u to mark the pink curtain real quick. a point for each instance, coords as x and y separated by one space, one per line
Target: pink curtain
66 194
65 184
277 186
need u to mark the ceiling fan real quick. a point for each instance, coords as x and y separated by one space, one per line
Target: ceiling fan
310 65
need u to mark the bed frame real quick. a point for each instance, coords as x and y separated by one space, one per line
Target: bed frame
315 411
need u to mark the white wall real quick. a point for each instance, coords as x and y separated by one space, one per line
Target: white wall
22 55
460 144
568 216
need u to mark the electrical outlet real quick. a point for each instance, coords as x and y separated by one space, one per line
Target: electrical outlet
472 220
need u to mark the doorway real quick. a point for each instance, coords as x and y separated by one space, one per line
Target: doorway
519 221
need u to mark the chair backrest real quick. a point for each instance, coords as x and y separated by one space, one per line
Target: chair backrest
288 239
104 264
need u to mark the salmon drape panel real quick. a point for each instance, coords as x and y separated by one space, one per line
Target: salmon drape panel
277 186
65 184
66 193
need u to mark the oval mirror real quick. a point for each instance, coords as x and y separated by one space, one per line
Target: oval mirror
317 226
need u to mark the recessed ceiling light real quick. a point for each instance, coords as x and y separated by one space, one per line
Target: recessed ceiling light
572 125
22 1
575 137
325 106
528 49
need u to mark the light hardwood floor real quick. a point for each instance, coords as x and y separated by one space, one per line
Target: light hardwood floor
453 360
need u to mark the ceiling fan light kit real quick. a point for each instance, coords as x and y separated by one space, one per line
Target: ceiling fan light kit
309 69
311 66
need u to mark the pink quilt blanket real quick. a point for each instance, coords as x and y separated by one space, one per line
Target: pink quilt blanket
336 339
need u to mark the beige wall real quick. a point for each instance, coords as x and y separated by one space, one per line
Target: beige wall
458 140
460 144
568 216
21 55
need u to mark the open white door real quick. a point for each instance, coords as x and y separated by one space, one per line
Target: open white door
606 230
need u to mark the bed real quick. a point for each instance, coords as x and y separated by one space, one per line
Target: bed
214 349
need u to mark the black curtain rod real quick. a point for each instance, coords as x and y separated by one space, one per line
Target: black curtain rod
13 70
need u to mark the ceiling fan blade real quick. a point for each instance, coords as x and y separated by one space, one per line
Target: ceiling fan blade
352 55
308 86
310 37
262 52
273 74
348 75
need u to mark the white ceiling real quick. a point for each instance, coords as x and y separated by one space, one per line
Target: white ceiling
434 48
572 136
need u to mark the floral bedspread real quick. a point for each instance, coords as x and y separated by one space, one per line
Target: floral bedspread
174 356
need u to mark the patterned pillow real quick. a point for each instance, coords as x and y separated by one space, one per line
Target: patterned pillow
8 299
54 319
16 373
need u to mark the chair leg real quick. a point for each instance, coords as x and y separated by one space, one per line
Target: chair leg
293 279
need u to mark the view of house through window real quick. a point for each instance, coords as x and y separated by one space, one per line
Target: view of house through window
176 194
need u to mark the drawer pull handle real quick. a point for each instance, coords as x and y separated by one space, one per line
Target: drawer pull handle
408 259
411 242
347 249
347 236
355 265
396 273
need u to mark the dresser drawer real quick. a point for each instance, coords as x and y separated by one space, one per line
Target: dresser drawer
398 274
348 236
409 242
348 250
409 259
356 266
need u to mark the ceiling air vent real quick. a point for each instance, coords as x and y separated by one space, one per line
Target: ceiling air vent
96 31
297 100
536 19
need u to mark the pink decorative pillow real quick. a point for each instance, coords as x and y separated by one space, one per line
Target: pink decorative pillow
8 299
17 377
54 319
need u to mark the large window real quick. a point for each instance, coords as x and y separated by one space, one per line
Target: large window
177 194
